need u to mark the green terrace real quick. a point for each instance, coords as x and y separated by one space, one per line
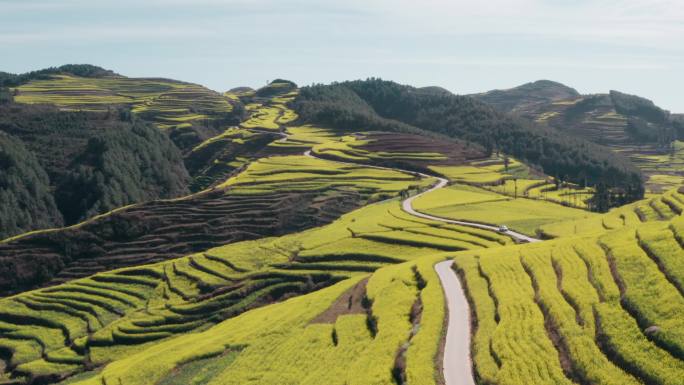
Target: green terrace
168 103
64 329
599 309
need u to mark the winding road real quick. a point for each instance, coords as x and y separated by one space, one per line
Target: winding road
407 205
457 364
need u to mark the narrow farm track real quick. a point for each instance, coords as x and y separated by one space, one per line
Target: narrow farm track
457 366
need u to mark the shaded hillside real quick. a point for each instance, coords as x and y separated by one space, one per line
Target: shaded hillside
84 163
527 95
27 202
382 105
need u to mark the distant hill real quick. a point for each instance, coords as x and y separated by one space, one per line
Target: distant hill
612 119
241 89
527 95
434 90
82 70
189 113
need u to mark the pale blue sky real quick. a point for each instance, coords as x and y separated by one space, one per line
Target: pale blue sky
634 46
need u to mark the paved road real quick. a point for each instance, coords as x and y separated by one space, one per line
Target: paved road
457 365
407 205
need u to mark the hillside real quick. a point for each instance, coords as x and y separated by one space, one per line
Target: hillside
527 96
382 105
315 241
83 164
188 112
628 124
611 119
360 292
27 200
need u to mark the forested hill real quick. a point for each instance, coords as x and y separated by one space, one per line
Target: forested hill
375 104
61 167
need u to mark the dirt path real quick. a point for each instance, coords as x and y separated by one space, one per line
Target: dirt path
457 365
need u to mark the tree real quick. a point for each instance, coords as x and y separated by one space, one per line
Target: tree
515 183
6 96
601 200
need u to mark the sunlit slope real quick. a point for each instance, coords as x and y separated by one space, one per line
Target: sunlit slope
470 203
355 301
259 134
287 344
168 103
659 207
61 330
603 309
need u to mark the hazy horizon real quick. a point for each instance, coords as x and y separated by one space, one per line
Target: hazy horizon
593 46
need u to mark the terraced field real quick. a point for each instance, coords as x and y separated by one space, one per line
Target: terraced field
296 263
659 207
630 125
53 332
265 200
662 167
220 157
168 103
509 177
601 309
267 107
412 152
214 160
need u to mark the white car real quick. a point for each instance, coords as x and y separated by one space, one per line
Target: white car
503 229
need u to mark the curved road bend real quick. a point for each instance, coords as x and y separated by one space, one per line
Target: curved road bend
407 205
457 366
457 363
